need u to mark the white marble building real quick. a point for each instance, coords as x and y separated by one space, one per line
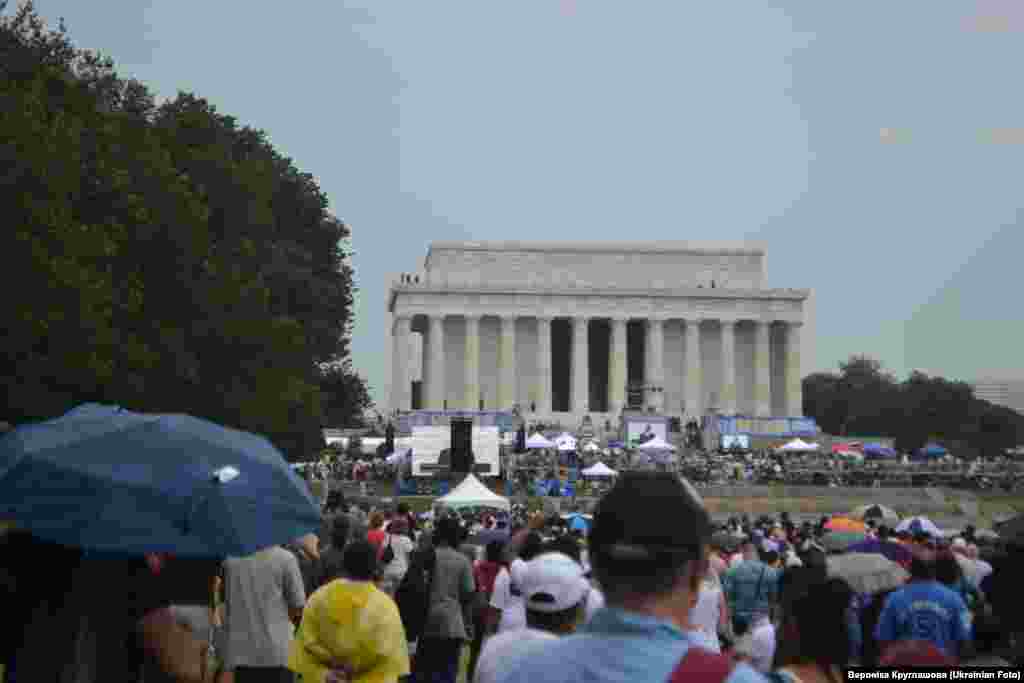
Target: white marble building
565 330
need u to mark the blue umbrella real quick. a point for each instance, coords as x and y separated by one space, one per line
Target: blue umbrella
109 480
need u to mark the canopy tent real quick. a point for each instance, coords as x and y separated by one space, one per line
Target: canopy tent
877 450
538 441
591 447
472 493
599 470
656 444
567 446
798 446
565 436
932 450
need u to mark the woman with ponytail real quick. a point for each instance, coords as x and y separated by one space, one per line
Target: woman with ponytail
813 636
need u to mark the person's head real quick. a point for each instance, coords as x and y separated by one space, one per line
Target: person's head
494 551
555 592
340 527
813 624
749 549
377 520
647 545
532 546
447 532
359 563
566 545
921 569
309 544
947 569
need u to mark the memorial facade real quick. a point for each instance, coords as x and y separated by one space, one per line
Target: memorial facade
566 330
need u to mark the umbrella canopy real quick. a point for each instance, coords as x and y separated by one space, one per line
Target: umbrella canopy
916 525
845 524
106 479
867 573
538 441
875 511
895 552
656 444
598 470
841 540
798 445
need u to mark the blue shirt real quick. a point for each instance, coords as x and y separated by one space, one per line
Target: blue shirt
615 647
925 610
751 587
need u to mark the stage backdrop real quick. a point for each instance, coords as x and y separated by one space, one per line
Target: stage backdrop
640 429
428 442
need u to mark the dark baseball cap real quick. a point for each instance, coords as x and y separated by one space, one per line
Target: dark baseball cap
647 515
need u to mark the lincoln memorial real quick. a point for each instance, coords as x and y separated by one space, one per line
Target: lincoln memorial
567 330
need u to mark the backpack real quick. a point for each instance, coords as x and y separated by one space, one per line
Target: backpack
413 594
702 666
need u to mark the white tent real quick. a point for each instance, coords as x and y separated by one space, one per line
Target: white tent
472 493
656 444
599 470
591 447
565 436
538 441
566 446
796 445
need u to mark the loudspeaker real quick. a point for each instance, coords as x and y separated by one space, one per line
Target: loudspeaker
462 444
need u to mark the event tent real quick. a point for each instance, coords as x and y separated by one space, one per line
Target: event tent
472 493
656 444
591 447
797 446
877 450
566 446
538 441
598 470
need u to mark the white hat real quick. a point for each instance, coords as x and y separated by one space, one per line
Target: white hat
553 582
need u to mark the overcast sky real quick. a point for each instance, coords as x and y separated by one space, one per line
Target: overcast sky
874 147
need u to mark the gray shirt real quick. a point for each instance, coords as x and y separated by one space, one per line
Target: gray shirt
451 594
260 589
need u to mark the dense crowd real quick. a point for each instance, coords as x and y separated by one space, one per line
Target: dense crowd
646 589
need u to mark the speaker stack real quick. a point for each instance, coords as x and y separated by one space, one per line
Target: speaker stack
462 445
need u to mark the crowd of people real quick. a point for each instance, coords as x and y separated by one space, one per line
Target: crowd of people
647 589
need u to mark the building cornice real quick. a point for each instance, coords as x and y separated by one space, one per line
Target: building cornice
703 293
665 247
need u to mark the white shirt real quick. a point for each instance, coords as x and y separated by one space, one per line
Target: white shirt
759 645
500 652
513 610
705 615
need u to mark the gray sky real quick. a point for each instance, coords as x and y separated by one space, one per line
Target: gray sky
602 120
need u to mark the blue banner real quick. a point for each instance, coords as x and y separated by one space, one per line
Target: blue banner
782 427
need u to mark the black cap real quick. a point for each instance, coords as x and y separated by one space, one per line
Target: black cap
647 514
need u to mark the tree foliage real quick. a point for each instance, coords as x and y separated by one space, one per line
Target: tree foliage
864 399
164 258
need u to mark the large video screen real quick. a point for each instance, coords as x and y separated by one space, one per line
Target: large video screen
740 441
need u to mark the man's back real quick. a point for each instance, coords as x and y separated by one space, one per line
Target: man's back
925 610
260 591
750 588
615 647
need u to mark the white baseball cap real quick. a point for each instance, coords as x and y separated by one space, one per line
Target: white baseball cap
554 582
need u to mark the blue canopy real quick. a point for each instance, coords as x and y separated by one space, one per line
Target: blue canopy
933 450
106 479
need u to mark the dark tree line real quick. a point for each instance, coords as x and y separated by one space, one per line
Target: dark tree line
164 258
863 399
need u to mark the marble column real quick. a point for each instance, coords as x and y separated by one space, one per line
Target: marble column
794 380
544 366
694 366
762 369
617 367
656 346
580 366
507 364
436 364
401 385
727 396
471 392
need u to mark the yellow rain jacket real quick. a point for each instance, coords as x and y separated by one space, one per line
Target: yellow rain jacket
353 625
